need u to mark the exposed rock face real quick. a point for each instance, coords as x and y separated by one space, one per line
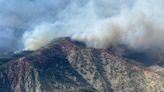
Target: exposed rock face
66 66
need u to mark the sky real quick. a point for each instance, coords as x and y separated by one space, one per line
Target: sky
31 24
18 16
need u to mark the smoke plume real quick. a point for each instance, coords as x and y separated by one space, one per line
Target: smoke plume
138 24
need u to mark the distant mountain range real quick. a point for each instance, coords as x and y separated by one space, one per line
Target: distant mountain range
70 66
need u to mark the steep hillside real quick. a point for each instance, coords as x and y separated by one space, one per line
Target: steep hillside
69 66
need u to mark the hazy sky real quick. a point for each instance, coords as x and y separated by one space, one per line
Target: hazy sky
31 24
17 16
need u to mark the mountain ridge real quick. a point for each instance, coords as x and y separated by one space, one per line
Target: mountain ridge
69 66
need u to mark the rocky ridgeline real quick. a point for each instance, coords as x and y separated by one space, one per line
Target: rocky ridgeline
68 66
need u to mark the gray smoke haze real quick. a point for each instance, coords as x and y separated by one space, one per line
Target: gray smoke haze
19 16
98 23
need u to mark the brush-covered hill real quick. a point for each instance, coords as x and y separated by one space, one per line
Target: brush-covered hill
69 66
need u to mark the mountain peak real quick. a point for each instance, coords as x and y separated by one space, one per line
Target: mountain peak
65 65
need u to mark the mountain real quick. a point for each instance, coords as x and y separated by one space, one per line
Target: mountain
70 66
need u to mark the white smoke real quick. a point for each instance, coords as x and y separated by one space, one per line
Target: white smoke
135 23
18 16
